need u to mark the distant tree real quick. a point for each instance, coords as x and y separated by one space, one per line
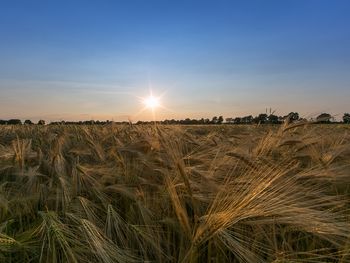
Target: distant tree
292 117
3 122
346 118
220 120
237 120
324 118
14 122
201 121
88 122
187 121
28 122
229 120
273 119
247 119
41 122
214 120
194 121
261 118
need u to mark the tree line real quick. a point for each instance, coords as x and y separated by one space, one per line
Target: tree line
42 122
262 118
19 122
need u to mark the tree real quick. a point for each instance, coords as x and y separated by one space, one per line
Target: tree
220 120
201 121
237 120
187 121
91 122
14 122
346 118
214 120
28 122
247 119
261 118
293 116
41 122
229 120
273 119
324 118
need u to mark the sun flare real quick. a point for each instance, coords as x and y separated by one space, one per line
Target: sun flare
151 102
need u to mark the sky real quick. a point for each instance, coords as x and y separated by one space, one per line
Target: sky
79 60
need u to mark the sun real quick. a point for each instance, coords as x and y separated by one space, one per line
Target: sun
151 102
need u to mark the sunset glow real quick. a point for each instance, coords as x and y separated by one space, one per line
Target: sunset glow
151 102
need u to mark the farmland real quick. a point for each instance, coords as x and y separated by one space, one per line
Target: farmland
219 193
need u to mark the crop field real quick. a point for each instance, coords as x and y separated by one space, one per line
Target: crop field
144 193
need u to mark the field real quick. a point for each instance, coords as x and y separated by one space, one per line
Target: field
225 193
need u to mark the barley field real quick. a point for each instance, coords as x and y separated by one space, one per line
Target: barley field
225 193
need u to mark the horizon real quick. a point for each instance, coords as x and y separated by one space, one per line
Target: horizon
81 61
344 118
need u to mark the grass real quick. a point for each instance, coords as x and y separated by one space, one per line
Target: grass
175 194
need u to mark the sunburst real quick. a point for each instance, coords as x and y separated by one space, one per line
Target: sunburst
151 102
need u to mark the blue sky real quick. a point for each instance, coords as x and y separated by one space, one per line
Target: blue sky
92 59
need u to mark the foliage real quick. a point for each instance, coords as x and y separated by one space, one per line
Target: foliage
14 122
263 118
28 122
324 118
346 118
292 117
